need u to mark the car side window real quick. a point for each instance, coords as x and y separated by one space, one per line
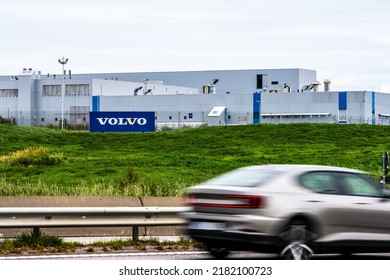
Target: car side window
360 185
320 182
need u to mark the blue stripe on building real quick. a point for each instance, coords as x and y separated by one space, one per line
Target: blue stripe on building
95 103
256 107
342 100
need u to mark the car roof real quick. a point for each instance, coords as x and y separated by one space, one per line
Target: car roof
301 167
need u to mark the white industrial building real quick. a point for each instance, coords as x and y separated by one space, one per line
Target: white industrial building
187 98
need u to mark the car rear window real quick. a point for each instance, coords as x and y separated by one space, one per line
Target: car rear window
243 178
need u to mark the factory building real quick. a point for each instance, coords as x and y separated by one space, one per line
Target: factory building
226 97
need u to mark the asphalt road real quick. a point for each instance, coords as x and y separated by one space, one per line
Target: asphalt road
187 256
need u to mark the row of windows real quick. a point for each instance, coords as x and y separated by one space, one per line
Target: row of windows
55 90
8 93
49 90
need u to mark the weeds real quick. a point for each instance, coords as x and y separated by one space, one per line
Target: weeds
34 240
130 177
33 156
37 242
41 243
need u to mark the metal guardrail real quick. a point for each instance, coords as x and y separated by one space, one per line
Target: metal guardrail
57 217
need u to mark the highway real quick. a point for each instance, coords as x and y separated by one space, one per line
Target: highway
189 265
199 255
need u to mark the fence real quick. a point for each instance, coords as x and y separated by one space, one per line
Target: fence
78 119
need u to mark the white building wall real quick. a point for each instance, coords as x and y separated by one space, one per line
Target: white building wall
26 97
315 107
48 109
8 100
302 102
9 107
382 109
113 87
184 108
356 109
32 107
233 81
118 88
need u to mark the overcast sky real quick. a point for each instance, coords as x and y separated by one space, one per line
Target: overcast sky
346 41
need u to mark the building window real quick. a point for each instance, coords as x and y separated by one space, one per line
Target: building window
79 114
51 90
82 89
274 82
55 90
8 93
259 82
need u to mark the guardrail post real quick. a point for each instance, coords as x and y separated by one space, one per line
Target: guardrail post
36 232
135 233
385 168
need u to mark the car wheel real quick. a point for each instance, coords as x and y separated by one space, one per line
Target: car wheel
297 237
218 252
297 251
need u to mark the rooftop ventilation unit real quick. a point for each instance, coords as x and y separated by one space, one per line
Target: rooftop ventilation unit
327 85
313 86
211 88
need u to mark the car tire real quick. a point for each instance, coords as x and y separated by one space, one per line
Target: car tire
297 237
297 251
218 252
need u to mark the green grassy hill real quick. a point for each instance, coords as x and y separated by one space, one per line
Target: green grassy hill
41 161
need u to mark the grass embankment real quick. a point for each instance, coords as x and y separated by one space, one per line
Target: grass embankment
41 161
38 243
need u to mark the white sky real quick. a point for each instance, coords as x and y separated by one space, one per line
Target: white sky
346 41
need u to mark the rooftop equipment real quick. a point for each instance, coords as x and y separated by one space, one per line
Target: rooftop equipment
327 85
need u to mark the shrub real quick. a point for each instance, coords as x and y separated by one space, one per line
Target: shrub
32 156
130 177
5 121
165 128
37 240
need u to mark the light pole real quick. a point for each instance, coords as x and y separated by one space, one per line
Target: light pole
62 61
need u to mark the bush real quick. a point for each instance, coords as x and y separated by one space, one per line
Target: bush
37 240
129 178
32 156
4 121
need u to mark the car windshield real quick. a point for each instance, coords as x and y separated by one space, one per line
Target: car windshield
243 178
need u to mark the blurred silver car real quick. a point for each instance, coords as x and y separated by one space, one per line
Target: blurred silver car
292 210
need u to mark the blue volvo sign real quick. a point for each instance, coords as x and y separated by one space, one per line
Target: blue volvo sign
122 121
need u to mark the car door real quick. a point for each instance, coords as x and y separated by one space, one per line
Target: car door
367 202
349 206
